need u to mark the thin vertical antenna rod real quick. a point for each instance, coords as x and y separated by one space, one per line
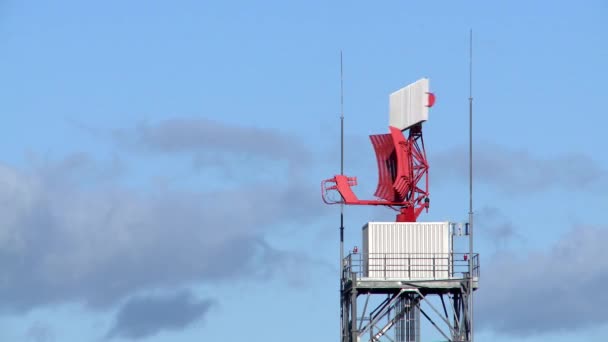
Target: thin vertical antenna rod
471 183
341 117
342 324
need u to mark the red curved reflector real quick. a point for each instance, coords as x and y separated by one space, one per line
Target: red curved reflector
387 165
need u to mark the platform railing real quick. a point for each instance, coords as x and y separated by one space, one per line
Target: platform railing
411 266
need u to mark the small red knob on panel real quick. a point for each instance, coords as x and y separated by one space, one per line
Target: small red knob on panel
431 100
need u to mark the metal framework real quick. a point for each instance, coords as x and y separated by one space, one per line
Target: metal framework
396 304
403 179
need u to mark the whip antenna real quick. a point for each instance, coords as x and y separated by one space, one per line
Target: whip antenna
342 332
471 180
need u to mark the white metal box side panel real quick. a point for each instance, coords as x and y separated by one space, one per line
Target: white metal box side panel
419 250
364 249
409 105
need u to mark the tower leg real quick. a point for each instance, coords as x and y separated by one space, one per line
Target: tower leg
407 329
353 316
461 316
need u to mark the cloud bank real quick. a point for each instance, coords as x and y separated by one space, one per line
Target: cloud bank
561 289
213 142
517 171
71 231
60 241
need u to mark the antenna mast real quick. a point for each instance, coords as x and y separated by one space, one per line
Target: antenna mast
341 205
471 181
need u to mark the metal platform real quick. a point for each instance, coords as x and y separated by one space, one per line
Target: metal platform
398 286
438 286
428 273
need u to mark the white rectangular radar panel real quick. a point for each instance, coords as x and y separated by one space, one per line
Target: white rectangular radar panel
407 250
410 105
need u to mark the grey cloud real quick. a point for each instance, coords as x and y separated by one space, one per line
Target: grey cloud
295 267
496 226
146 315
40 332
63 239
517 171
76 167
207 139
560 289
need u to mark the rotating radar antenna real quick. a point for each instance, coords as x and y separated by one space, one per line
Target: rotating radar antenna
403 180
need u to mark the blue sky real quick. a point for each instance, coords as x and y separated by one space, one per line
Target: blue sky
161 161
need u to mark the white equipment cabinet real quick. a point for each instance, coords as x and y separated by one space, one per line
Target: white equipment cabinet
411 251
